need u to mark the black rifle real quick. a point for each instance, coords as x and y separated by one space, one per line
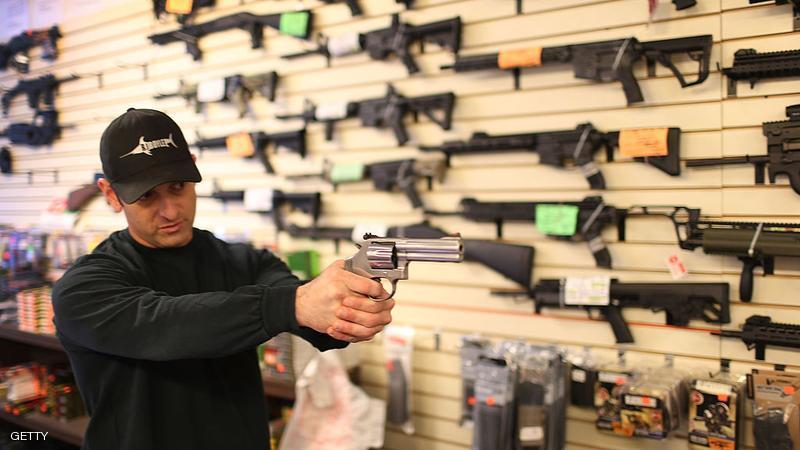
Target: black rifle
327 114
252 23
760 331
292 140
564 148
681 302
756 244
795 9
684 4
601 61
239 90
395 39
389 111
389 176
750 65
43 131
40 91
160 9
308 203
381 112
592 217
15 51
782 158
515 262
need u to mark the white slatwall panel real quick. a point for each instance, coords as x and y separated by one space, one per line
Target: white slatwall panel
455 299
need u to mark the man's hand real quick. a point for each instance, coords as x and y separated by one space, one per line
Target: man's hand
337 303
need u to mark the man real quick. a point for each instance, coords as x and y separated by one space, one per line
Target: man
161 321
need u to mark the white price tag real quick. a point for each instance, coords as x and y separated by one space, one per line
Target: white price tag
711 387
258 199
579 376
594 291
378 229
676 268
211 90
345 44
531 433
331 111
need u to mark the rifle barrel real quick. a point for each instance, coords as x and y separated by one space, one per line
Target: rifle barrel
747 159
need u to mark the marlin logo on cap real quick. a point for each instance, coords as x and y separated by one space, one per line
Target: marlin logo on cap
145 147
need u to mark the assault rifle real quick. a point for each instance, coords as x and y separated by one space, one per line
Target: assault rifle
514 262
294 141
296 23
40 91
782 158
760 331
750 65
237 89
308 203
386 176
43 131
572 147
795 9
575 221
160 9
756 244
601 61
681 302
395 39
15 51
382 112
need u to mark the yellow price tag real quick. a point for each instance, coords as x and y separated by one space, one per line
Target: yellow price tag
644 142
179 6
526 57
240 144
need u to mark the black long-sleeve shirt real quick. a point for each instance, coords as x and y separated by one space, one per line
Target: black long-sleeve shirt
162 341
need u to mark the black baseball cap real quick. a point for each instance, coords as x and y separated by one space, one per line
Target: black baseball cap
144 148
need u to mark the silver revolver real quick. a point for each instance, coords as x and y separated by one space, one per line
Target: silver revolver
388 258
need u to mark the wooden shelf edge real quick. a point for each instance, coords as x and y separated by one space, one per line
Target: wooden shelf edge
13 333
70 432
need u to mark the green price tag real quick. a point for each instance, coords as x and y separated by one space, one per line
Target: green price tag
295 24
557 220
343 173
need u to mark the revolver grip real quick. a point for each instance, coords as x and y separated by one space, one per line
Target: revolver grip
613 314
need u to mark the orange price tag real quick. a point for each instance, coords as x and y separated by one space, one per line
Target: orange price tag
644 142
240 144
788 390
722 398
179 6
526 57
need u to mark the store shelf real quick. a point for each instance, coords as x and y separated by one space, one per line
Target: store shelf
71 432
12 333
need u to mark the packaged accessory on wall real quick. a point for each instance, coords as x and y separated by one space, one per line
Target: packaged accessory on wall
398 345
471 349
607 400
776 412
715 407
540 399
652 404
494 397
583 377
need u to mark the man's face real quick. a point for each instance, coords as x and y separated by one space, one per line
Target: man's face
163 216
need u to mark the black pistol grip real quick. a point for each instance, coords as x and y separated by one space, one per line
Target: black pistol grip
746 279
633 94
613 314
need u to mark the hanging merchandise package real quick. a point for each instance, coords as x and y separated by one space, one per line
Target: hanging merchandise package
330 413
494 402
398 345
540 399
472 347
776 409
715 408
